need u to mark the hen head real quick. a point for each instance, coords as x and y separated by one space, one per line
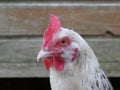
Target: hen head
59 45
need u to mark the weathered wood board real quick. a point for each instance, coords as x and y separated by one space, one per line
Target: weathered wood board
18 57
22 23
21 19
22 70
25 50
53 0
35 70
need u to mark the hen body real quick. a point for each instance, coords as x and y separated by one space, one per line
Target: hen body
83 73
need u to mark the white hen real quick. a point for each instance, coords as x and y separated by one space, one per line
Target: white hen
70 60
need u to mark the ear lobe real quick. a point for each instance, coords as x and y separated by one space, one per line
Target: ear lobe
75 54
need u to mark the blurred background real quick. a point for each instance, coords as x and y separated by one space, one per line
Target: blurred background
22 23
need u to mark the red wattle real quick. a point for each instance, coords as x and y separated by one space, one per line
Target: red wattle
48 63
58 63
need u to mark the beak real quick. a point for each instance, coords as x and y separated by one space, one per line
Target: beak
42 54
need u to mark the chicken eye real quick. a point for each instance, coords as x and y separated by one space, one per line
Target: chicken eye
63 41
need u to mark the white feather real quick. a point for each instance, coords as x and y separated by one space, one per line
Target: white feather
82 74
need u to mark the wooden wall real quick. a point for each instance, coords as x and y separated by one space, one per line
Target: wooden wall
22 25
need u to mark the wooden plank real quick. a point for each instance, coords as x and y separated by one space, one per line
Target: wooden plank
25 50
112 69
22 70
52 0
19 50
107 50
21 19
35 70
18 57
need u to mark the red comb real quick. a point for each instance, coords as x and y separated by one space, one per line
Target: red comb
54 26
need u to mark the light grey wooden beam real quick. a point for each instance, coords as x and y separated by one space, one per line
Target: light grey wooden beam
18 57
23 70
35 70
25 50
